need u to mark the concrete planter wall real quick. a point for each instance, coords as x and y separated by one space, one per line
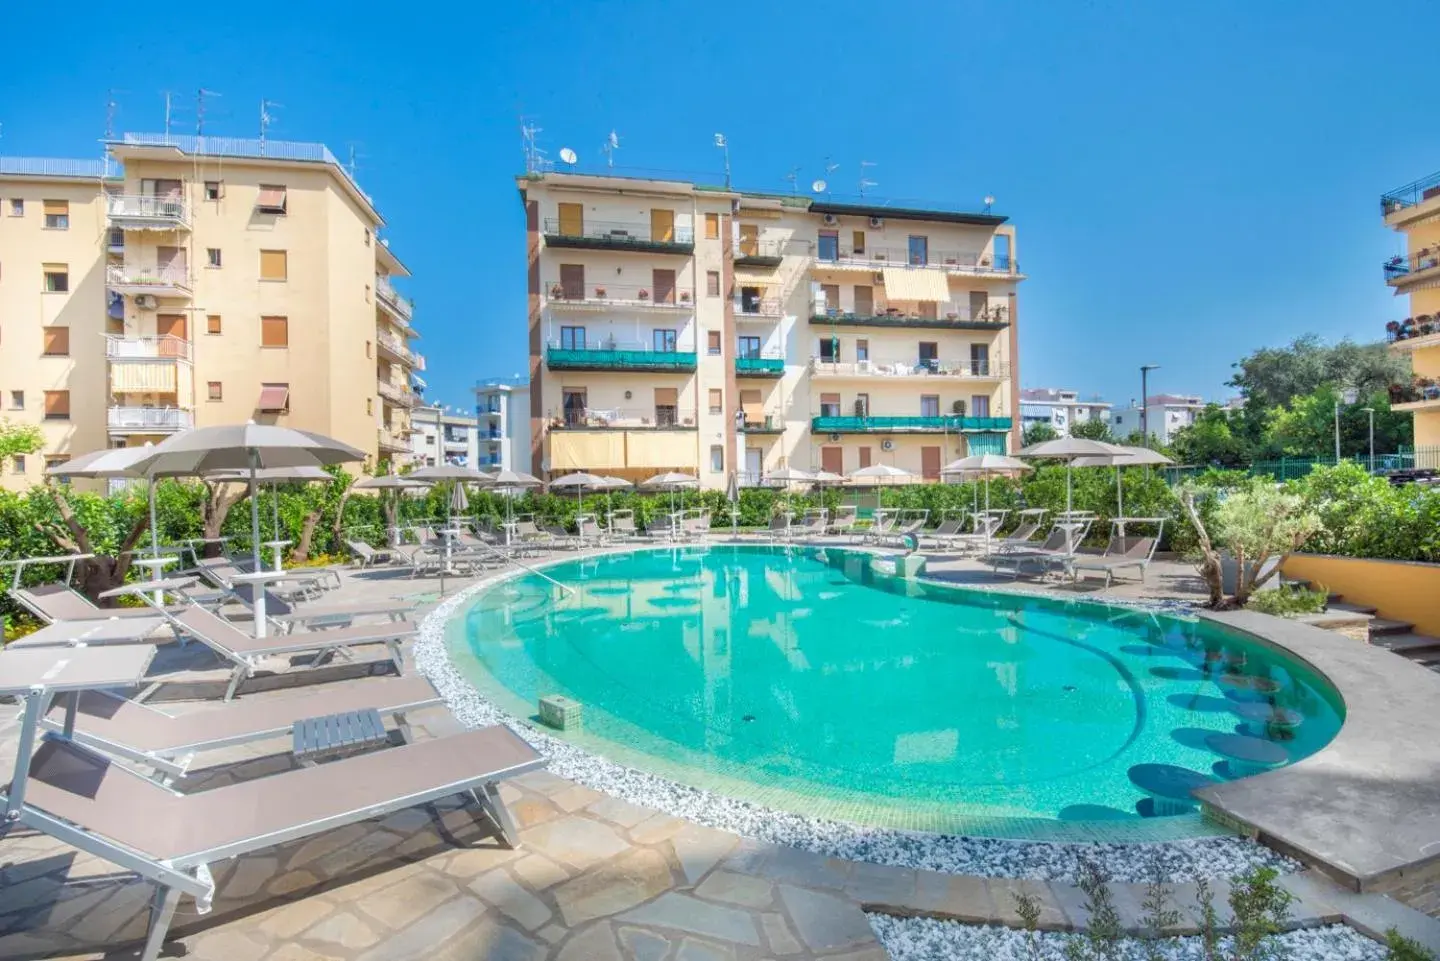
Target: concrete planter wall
1403 590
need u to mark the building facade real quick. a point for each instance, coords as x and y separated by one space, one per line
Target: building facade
675 326
440 436
1413 211
1061 409
189 282
1164 415
502 410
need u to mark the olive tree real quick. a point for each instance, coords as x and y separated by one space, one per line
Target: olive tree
1255 523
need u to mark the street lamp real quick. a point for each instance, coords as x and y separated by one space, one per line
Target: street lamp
1348 397
1371 412
1145 401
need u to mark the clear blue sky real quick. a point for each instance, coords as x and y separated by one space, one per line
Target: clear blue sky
1189 181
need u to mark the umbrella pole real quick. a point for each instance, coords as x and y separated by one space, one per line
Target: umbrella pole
154 532
275 507
987 512
1069 507
259 593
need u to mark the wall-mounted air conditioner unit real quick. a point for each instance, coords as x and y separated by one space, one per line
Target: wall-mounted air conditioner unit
834 438
146 301
831 220
887 445
877 222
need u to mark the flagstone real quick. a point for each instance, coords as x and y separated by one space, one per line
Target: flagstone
642 945
742 889
824 921
693 916
594 943
539 872
778 935
576 841
502 892
343 930
613 887
407 899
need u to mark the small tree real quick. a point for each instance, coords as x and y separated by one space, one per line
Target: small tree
1092 429
18 440
1255 523
1038 433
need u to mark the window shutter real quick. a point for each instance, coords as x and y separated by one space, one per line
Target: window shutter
666 396
57 403
57 207
274 331
57 341
273 265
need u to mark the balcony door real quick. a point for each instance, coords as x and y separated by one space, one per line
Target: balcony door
930 405
170 262
862 405
662 225
572 220
750 299
864 300
830 349
930 463
929 356
747 347
979 304
172 331
865 456
753 408
572 338
980 360
832 459
573 402
664 283
663 341
572 281
754 459
749 240
919 250
829 405
667 406
980 405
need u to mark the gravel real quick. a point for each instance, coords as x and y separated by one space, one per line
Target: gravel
926 939
1175 861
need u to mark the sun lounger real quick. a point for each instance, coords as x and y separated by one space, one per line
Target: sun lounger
60 602
245 652
121 630
220 572
843 523
92 803
951 526
591 533
622 525
1123 551
881 526
780 528
814 523
369 556
168 744
287 616
1055 548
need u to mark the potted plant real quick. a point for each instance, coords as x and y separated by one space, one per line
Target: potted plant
953 315
557 292
600 292
860 410
958 408
643 294
684 296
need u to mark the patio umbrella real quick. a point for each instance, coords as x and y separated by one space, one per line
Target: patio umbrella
274 476
613 484
825 477
1069 449
390 482
449 472
785 476
580 481
671 481
987 464
880 472
1128 457
114 462
513 480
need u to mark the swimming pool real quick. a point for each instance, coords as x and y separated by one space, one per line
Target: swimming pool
803 680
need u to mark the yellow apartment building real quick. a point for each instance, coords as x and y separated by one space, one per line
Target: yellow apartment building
193 281
675 326
1414 211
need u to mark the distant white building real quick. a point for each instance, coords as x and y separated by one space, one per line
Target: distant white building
440 436
1164 414
1060 408
502 409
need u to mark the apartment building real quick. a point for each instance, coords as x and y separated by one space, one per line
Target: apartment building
676 326
1164 414
1413 211
441 436
191 281
1061 409
502 410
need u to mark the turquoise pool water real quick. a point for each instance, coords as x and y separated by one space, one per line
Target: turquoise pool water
803 680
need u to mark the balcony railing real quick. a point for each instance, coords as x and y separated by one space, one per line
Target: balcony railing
765 305
1412 328
392 439
616 295
148 420
618 356
393 344
960 261
395 394
401 306
166 347
961 369
829 424
767 364
950 316
612 235
1410 195
164 281
629 418
768 253
758 423
136 210
1398 269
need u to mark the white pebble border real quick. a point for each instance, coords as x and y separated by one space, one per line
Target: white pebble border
1175 862
926 939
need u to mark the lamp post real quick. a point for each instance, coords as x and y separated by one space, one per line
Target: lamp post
1145 401
1348 397
1371 412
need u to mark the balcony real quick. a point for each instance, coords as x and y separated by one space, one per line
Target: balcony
765 306
960 262
1421 265
392 440
394 394
393 347
630 418
156 281
762 424
457 444
138 212
166 347
970 370
770 364
767 253
148 420
950 316
610 296
609 235
618 357
1413 333
398 307
945 423
1410 201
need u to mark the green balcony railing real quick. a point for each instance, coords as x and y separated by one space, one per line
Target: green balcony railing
560 358
760 366
871 425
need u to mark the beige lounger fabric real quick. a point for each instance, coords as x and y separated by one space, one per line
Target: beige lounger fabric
61 603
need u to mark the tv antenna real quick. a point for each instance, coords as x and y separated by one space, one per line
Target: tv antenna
567 157
265 119
169 106
200 96
794 177
352 166
829 167
111 106
989 202
864 181
534 156
612 144
724 145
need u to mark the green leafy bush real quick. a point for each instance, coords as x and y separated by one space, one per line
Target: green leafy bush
1287 601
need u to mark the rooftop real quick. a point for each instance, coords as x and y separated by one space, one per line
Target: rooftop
1057 395
59 167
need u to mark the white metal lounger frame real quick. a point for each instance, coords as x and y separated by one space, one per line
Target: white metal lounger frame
1108 565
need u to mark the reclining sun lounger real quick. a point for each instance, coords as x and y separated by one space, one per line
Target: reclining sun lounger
369 556
168 744
843 523
61 602
221 571
1054 549
1121 552
780 528
121 630
287 616
86 800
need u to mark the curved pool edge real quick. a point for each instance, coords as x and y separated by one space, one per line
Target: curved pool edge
1365 808
472 706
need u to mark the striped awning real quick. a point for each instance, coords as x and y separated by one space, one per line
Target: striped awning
916 283
135 378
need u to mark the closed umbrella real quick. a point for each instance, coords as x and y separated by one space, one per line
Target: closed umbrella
987 464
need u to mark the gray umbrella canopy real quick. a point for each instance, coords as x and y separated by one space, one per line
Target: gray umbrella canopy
1070 450
880 472
385 482
669 479
580 481
115 462
827 477
444 472
514 478
1127 457
984 463
790 475
274 476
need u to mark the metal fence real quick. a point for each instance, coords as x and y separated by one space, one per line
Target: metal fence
1289 468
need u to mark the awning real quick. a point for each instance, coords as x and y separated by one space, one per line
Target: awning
585 450
916 283
130 378
661 448
273 397
271 198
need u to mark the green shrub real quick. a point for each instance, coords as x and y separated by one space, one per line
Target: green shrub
1400 948
1287 601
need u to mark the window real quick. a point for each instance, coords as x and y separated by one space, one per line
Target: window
919 248
57 214
369 405
572 338
573 403
272 199
864 300
212 256
18 463
929 405
857 242
215 392
57 341
717 401
214 190
667 406
712 226
663 341
17 400
829 406
57 405
832 297
274 332
664 283
829 246
865 456
53 461
712 342
750 299
572 283
368 349
17 207
980 360
862 351
274 398
980 405
830 350
712 283
367 236
57 278
273 265
212 324
717 459
748 347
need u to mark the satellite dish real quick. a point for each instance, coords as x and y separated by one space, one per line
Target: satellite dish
819 186
989 200
567 155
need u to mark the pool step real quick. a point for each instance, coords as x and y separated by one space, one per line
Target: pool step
1417 647
1338 605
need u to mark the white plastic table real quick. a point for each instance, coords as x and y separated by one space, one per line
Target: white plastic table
260 579
275 547
155 565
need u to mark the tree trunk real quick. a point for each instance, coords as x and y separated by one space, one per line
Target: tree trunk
219 498
301 553
337 528
1209 566
102 572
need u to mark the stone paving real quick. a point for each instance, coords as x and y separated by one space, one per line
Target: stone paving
594 877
